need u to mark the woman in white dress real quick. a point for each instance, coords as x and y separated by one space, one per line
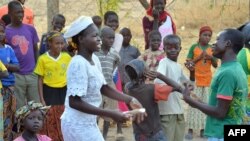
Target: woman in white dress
85 83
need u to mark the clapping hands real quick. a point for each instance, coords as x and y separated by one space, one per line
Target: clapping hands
190 65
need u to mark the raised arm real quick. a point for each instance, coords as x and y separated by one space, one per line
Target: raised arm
168 81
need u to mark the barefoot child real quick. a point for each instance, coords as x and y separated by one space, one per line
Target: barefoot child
30 118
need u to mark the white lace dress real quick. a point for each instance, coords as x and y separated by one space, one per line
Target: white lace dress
83 80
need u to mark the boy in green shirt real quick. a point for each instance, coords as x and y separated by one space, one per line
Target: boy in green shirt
228 89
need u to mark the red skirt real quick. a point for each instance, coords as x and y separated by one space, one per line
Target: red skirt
52 123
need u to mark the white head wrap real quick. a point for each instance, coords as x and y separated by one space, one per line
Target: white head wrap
77 26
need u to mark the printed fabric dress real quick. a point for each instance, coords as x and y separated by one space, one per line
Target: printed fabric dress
85 81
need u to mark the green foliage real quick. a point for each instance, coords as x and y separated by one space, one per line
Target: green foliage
106 5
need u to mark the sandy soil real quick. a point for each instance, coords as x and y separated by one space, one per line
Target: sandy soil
128 134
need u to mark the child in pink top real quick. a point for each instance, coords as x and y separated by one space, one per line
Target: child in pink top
31 117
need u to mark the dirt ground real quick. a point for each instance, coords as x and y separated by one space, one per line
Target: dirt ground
217 14
128 134
128 131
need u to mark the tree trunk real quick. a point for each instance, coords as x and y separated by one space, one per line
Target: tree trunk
249 10
52 9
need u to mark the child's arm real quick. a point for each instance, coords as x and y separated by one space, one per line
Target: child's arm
114 94
202 55
192 75
36 53
40 89
190 66
75 102
42 47
170 82
145 4
214 62
156 20
3 73
12 67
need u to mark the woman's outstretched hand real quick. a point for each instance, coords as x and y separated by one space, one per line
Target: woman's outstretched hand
120 117
138 116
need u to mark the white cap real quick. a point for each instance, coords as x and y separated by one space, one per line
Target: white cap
77 26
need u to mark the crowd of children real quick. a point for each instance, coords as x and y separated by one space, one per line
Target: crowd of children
57 91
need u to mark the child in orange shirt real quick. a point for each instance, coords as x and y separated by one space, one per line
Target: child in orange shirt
199 62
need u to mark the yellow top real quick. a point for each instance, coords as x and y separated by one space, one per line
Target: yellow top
53 70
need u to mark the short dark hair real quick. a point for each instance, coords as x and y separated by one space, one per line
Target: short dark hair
236 37
59 15
152 2
107 14
96 17
153 32
12 5
125 29
172 37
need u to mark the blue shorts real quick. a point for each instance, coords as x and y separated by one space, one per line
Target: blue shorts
159 136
